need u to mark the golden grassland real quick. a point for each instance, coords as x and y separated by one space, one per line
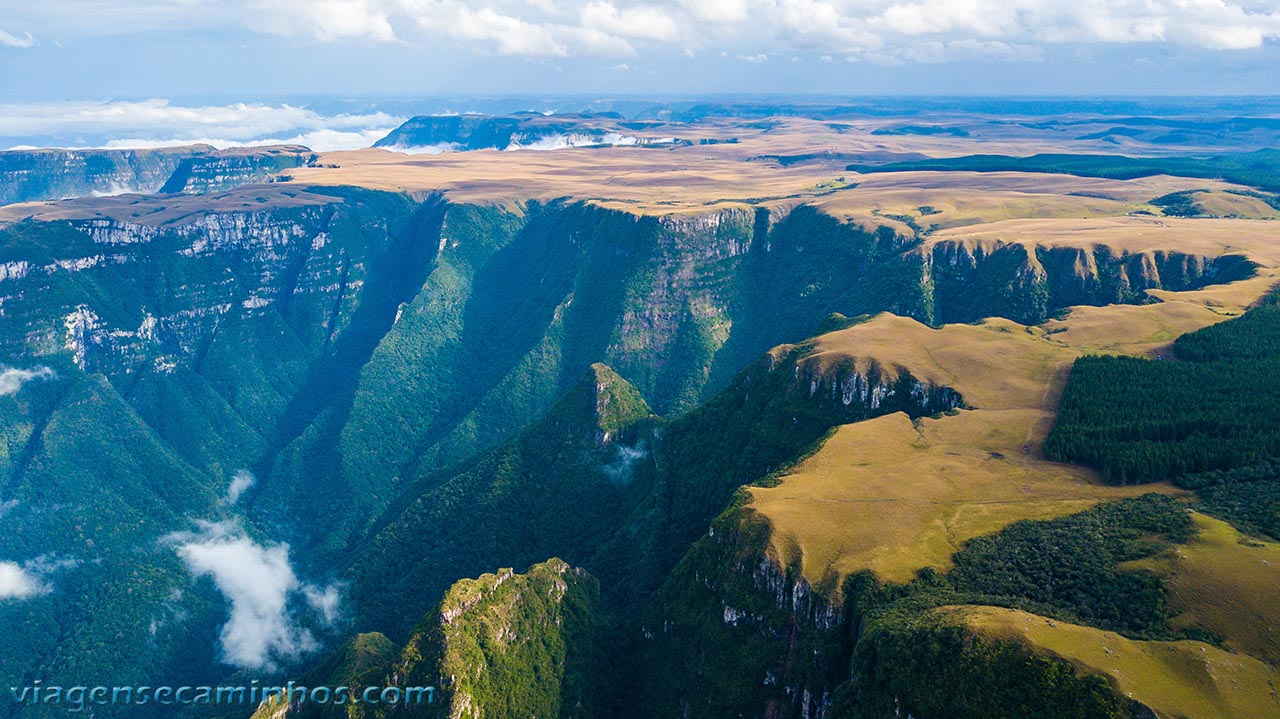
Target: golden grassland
693 178
1175 679
1227 583
891 497
1225 204
659 180
894 497
953 200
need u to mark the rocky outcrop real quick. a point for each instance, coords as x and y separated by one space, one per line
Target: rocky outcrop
965 281
34 175
507 645
734 633
520 131
50 174
220 171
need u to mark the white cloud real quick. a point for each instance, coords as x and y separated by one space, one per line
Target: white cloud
325 20
259 582
29 579
324 601
16 582
12 378
512 35
159 123
646 23
562 28
821 25
10 40
933 51
240 483
1211 24
718 12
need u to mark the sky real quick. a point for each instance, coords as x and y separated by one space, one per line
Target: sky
145 61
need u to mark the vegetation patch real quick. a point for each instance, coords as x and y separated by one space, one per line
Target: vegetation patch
1217 407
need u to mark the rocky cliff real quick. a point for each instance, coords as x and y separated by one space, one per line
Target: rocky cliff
535 131
50 174
220 171
31 175
347 346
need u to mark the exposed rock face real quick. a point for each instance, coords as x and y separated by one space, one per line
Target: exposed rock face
964 282
31 175
733 633
37 175
436 133
245 262
347 349
235 167
507 645
347 302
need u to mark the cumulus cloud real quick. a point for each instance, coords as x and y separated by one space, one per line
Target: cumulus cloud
240 483
324 20
648 23
263 629
12 379
160 123
718 12
563 28
1211 24
512 35
11 40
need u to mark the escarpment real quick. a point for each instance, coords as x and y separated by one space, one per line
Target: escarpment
53 174
348 347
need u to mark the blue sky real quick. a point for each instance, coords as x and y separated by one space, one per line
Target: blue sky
212 53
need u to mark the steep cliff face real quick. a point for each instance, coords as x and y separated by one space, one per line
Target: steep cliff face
37 175
32 175
965 281
349 347
500 645
304 266
510 645
613 489
733 633
440 133
219 171
313 322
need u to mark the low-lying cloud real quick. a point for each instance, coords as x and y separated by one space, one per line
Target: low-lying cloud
12 378
160 123
240 483
32 578
264 629
622 469
17 582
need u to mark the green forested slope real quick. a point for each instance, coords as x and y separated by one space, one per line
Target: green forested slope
1215 407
